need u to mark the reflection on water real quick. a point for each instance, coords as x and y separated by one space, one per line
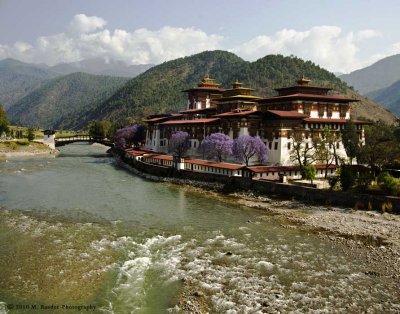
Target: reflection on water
78 229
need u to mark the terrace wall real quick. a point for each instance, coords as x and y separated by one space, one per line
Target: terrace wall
303 193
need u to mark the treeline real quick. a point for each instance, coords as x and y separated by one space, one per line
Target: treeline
378 159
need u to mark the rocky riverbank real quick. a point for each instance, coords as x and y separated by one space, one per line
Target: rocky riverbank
368 235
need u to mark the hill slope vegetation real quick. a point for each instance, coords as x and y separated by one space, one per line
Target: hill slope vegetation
159 89
18 79
379 75
64 101
389 97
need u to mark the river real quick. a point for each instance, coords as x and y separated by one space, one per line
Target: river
76 230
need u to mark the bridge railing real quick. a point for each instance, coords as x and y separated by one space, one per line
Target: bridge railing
59 141
74 138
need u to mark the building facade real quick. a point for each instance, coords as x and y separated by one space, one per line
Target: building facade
302 111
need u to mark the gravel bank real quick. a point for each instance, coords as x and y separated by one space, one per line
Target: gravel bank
366 234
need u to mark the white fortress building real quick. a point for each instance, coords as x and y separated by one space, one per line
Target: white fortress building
303 109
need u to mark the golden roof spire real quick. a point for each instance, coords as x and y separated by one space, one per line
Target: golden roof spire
303 81
237 84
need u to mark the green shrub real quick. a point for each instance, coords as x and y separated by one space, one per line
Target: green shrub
23 142
13 145
347 178
389 184
333 181
364 181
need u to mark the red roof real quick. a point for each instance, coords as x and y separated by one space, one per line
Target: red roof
288 114
205 88
134 152
155 119
157 156
240 113
300 96
303 87
209 120
327 120
197 110
214 164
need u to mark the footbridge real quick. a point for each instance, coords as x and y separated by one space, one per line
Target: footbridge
52 141
61 141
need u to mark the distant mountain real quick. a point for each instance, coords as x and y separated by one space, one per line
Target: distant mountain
338 73
389 97
158 90
379 75
63 102
17 79
100 66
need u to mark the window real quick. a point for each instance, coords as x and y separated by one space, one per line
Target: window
276 146
288 146
270 145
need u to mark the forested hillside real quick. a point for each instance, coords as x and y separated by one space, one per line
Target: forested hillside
381 74
18 79
389 97
63 102
74 100
159 89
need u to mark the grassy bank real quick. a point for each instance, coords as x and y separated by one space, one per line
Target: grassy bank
23 147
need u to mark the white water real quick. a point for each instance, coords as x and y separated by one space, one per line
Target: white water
96 234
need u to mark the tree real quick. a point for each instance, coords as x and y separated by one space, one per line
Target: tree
381 146
31 135
350 140
179 143
98 128
347 178
3 121
217 145
308 172
302 152
325 149
245 147
128 136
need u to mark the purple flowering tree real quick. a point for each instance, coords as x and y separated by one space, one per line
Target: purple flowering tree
179 143
245 147
217 145
128 136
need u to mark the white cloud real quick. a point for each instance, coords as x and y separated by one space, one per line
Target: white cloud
86 37
367 34
324 45
82 23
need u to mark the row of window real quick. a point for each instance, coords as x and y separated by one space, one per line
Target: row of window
289 173
212 169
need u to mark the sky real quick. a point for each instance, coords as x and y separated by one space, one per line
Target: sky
338 35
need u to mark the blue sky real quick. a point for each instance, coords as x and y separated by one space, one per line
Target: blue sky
338 35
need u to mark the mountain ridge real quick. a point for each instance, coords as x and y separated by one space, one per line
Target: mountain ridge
381 74
63 101
158 89
389 97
